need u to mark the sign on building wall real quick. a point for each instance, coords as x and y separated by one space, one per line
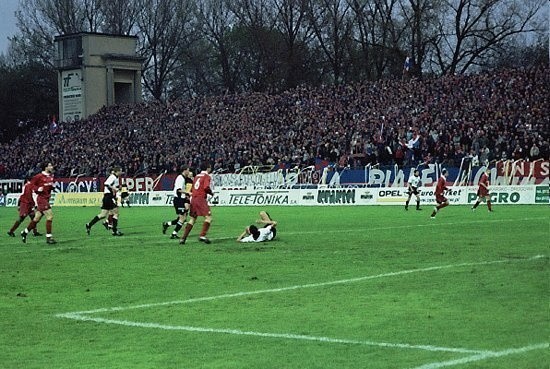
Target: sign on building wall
71 95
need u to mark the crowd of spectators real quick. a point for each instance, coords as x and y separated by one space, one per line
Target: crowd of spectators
490 116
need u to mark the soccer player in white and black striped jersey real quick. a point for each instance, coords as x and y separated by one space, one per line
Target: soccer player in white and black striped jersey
109 203
414 185
181 201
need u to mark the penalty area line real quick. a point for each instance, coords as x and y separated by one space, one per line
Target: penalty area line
286 336
484 356
478 354
297 287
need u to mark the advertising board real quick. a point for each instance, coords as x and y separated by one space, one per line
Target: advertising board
502 195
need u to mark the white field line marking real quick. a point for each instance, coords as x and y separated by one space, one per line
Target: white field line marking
84 315
479 354
271 335
483 356
296 287
165 238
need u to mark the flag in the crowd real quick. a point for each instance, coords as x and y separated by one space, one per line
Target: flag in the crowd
320 164
408 63
54 127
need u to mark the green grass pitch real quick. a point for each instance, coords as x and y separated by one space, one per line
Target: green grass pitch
340 287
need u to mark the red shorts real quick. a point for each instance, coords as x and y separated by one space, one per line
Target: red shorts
25 208
199 207
482 192
42 204
440 199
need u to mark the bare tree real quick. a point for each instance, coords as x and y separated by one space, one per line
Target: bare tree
254 37
118 16
67 16
421 18
164 26
380 33
216 21
331 22
212 46
93 17
473 30
252 13
364 22
40 20
291 22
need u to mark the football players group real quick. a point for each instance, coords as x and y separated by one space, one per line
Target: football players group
190 199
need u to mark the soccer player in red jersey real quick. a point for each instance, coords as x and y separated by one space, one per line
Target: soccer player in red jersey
26 208
440 189
199 204
483 190
42 184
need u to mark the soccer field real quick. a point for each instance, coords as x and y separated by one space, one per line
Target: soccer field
340 287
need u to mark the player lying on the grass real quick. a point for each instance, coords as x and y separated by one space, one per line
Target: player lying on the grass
255 234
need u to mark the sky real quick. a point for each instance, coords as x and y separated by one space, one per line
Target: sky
7 22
